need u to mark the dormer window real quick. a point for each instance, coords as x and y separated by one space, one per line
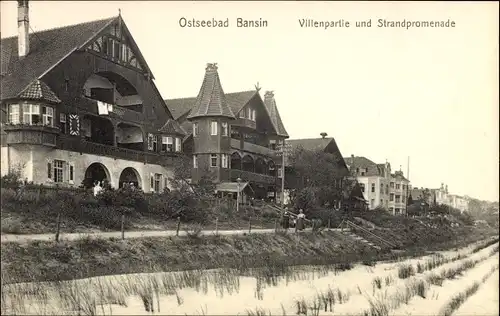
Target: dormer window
195 129
31 114
14 114
167 144
178 144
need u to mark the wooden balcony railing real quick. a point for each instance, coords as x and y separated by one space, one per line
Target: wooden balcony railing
118 111
243 122
36 134
254 148
251 176
75 143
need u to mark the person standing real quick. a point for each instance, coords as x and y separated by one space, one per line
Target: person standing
301 217
286 220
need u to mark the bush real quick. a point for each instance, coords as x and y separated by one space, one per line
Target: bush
125 196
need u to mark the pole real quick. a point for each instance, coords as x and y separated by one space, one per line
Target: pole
283 174
238 197
407 185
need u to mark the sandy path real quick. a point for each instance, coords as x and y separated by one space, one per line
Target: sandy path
484 302
129 234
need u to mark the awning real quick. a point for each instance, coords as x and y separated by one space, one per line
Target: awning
230 187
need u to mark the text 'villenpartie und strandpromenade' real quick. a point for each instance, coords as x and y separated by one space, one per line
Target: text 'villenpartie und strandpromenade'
381 23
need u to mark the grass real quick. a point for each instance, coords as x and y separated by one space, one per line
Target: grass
405 271
457 300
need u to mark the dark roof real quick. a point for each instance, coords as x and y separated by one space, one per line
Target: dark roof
365 166
310 143
399 174
47 48
236 100
211 100
173 128
38 90
327 144
270 103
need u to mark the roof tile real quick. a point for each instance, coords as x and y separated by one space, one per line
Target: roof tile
173 128
39 90
272 108
211 100
47 48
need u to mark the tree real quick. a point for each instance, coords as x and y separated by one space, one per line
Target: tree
321 178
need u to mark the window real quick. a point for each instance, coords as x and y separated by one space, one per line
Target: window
253 115
373 187
249 113
392 185
62 123
178 144
48 116
397 211
403 198
362 173
58 171
362 186
391 197
223 126
155 143
386 189
224 160
280 172
381 189
398 186
167 143
150 141
213 160
31 114
157 182
195 129
49 170
195 161
398 198
357 170
14 114
71 173
213 128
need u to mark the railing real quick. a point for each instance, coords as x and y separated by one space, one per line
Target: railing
348 224
253 148
251 176
244 123
30 134
79 145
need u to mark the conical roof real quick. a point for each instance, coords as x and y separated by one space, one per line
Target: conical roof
211 100
38 90
272 108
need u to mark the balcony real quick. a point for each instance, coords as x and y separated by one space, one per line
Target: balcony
119 112
253 148
243 122
252 177
31 134
77 144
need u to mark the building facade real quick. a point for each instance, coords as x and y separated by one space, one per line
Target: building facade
79 105
381 188
441 196
234 138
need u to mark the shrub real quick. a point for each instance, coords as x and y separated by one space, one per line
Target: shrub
405 271
125 196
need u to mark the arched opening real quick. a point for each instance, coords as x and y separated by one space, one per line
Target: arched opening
96 172
98 129
236 161
112 88
247 163
260 166
272 168
129 136
130 176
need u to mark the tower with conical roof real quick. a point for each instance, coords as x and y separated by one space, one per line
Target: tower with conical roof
211 117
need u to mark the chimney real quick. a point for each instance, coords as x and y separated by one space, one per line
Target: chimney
211 67
23 27
323 135
269 95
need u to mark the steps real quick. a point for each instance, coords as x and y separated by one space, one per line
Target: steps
361 239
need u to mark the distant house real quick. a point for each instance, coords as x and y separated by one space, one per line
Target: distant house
380 187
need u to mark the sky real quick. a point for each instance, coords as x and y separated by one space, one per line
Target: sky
430 94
